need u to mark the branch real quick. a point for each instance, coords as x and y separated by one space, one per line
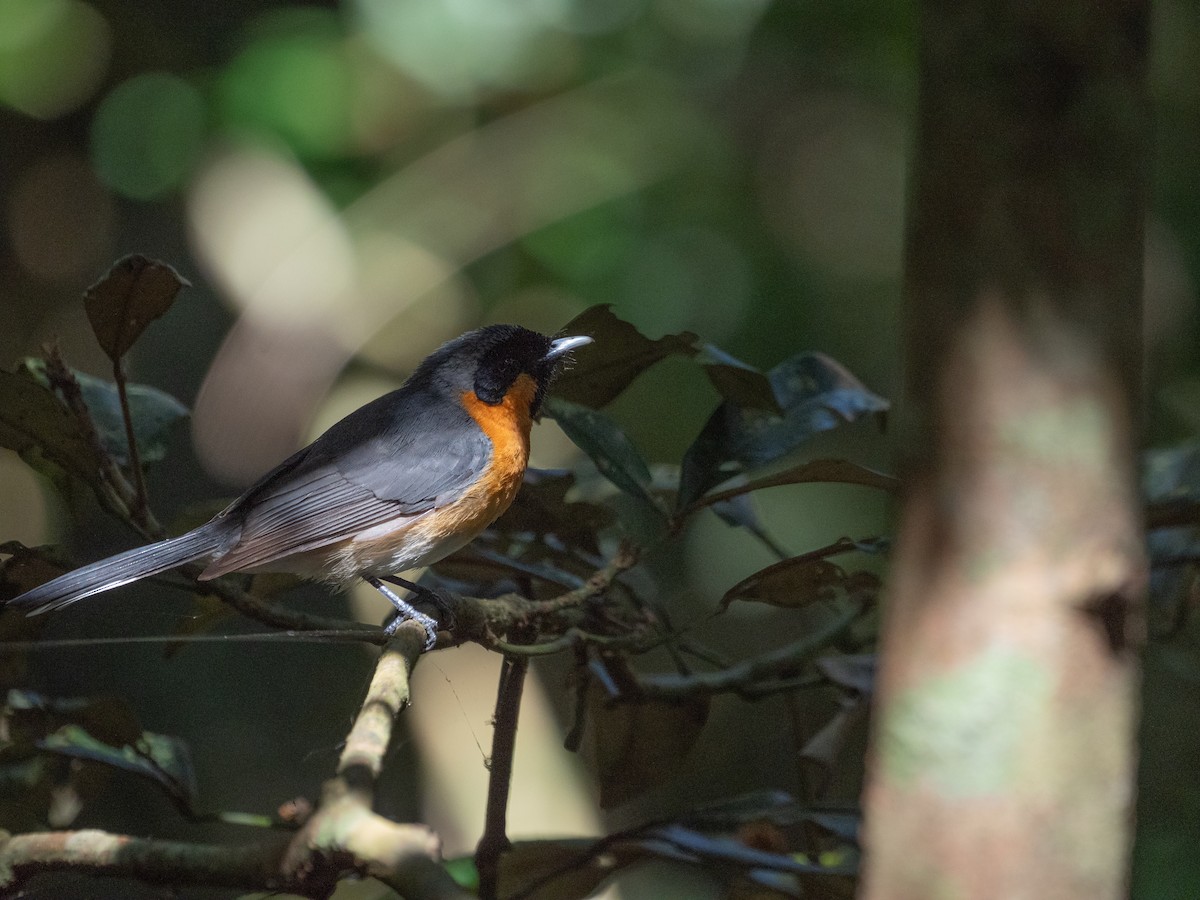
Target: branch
482 620
343 835
276 616
253 866
756 677
345 825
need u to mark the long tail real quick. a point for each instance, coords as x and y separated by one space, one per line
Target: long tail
141 562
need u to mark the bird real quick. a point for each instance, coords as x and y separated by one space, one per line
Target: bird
400 483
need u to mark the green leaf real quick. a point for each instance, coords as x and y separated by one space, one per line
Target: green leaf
134 293
37 426
607 445
619 353
462 869
815 393
154 413
640 744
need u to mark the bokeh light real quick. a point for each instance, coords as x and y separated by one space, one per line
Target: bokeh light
147 135
53 54
60 220
292 80
459 49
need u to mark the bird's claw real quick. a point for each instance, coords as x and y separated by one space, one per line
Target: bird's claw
429 623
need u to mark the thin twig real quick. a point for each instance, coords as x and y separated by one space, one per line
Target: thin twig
752 678
113 489
495 841
140 509
272 614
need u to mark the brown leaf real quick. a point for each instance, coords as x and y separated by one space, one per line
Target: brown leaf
134 293
790 583
802 579
27 567
619 353
640 744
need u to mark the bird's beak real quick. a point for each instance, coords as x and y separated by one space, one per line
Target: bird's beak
562 346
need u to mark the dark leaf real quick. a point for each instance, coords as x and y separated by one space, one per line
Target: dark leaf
815 393
1172 473
134 293
852 672
739 511
568 869
825 748
841 825
709 849
159 758
606 445
639 745
729 813
480 571
36 425
34 717
28 567
777 808
824 471
737 381
620 353
541 508
27 783
154 413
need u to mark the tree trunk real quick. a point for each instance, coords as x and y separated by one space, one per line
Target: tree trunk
1002 759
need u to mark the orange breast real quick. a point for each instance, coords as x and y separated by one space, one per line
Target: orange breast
507 426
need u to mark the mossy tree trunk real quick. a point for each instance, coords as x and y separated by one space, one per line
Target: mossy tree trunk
1002 753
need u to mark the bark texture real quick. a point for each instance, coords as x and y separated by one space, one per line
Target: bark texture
1002 753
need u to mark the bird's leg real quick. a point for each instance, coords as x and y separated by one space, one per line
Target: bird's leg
406 611
444 607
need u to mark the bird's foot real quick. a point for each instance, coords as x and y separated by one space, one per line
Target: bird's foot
406 611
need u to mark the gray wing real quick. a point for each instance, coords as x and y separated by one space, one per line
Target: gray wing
362 472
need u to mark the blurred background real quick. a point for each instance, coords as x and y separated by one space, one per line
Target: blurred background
346 185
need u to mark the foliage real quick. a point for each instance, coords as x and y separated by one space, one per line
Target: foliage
637 726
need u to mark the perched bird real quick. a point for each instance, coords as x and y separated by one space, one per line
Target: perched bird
399 483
